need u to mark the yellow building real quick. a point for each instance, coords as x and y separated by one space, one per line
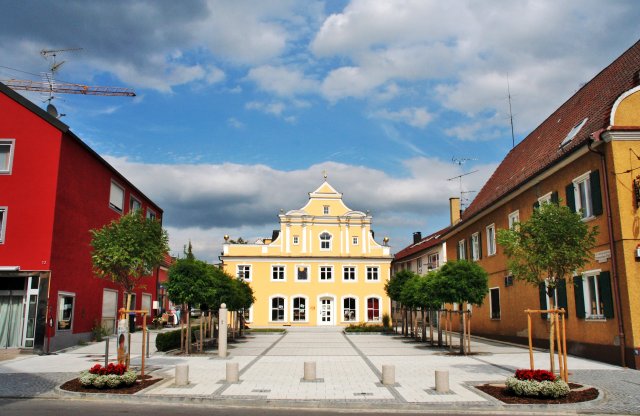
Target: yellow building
322 268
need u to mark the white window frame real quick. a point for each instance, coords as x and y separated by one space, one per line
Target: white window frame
330 240
284 272
356 317
475 246
151 214
462 249
133 199
369 270
250 318
587 211
243 274
545 199
306 308
114 207
3 223
514 218
354 240
306 266
12 146
325 209
150 297
491 239
491 304
72 295
355 274
366 306
573 132
431 265
296 240
320 273
586 292
419 265
284 308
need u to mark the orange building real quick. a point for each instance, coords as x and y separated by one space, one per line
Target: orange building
585 155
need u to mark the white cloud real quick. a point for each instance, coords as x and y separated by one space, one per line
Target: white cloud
273 108
235 123
414 116
282 81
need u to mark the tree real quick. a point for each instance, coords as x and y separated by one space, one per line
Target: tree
427 298
461 282
393 288
127 249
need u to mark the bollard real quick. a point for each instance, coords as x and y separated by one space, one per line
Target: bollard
309 371
148 338
233 373
388 375
222 331
442 381
182 374
106 351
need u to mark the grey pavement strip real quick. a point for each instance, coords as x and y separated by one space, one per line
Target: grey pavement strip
394 392
222 388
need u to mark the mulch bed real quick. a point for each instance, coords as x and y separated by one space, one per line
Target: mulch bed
142 383
575 396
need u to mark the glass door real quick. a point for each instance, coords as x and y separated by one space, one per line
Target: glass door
326 311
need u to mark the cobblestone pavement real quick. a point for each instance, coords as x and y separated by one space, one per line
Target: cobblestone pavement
621 389
25 385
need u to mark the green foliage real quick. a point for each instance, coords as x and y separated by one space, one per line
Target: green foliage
98 332
393 287
550 246
386 320
363 327
460 281
555 389
266 330
127 249
166 341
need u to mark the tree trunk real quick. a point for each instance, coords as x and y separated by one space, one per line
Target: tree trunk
188 340
461 313
552 332
424 326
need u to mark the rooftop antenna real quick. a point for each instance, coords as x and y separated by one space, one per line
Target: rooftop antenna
48 78
463 199
461 160
459 177
513 137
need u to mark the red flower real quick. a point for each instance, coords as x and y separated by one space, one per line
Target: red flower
118 369
537 375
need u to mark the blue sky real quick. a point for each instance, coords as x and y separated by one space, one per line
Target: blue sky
242 104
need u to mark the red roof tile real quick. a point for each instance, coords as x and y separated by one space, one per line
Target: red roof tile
424 244
541 148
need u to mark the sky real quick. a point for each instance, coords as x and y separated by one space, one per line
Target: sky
242 105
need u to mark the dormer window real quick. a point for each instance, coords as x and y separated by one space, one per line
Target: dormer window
574 131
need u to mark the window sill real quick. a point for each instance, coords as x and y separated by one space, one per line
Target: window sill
302 281
281 280
589 219
595 318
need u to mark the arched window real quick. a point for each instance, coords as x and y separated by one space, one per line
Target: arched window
325 241
299 309
373 309
349 309
277 309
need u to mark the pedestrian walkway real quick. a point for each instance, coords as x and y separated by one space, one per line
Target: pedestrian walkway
348 371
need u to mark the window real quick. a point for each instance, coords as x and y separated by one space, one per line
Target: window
349 273
514 218
109 309
325 210
65 311
544 199
277 309
573 132
3 222
299 309
146 303
419 265
495 302
277 273
325 241
584 195
373 309
326 273
475 247
372 273
355 241
151 214
462 250
134 204
302 273
116 197
296 240
491 240
349 309
6 156
594 298
433 261
247 314
243 271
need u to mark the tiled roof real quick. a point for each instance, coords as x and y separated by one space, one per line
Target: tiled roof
424 244
541 148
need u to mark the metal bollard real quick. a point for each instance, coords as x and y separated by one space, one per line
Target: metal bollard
388 375
442 381
309 371
106 351
233 373
182 374
148 337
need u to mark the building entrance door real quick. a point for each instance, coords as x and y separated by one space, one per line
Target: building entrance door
11 313
326 311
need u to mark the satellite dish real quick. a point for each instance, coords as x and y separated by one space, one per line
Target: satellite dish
51 109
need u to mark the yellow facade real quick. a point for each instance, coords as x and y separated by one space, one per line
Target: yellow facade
323 268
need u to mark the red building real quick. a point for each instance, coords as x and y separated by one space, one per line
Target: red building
53 190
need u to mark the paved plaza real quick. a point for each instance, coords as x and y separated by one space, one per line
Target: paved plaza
348 371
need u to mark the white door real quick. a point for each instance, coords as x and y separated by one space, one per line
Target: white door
326 311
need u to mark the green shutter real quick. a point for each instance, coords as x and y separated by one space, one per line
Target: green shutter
596 194
458 251
554 197
562 296
536 205
578 291
479 244
571 197
471 248
543 298
606 296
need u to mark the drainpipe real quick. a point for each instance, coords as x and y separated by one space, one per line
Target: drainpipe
596 136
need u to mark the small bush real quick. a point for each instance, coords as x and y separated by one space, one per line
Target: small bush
363 327
98 332
555 389
167 341
386 320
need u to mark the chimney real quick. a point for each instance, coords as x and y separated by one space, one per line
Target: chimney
454 210
417 236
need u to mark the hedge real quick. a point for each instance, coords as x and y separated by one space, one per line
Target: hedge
167 341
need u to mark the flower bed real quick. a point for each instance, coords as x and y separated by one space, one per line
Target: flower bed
110 377
535 383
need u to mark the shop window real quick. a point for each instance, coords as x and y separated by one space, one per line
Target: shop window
373 309
299 309
277 309
495 302
66 303
350 309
